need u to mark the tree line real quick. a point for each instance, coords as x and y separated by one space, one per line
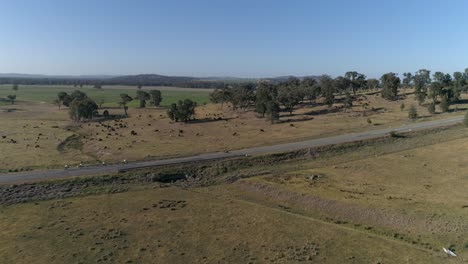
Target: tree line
82 107
185 82
270 98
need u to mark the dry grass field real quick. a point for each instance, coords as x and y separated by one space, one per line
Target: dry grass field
32 124
381 203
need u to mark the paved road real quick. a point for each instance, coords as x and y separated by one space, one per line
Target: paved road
8 178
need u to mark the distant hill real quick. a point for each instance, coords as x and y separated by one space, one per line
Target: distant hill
285 78
151 79
132 80
43 76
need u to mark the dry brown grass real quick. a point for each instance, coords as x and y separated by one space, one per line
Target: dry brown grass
417 195
177 226
158 137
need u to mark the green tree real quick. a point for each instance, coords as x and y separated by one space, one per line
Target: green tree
221 96
142 96
390 84
64 98
327 88
288 96
79 95
266 93
357 80
310 88
82 108
431 108
273 110
124 100
407 80
435 90
348 101
412 112
156 97
57 102
459 79
12 98
182 111
242 96
420 81
341 84
444 104
15 87
372 83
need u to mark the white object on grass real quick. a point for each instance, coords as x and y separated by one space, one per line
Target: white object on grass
449 252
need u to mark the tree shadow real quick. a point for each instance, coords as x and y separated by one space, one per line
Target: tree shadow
209 120
293 120
457 110
324 111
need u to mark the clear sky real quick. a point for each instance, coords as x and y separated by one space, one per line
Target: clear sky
245 38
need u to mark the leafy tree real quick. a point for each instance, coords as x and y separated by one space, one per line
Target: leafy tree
124 100
57 102
156 97
421 80
407 80
372 83
12 98
64 98
435 90
341 84
221 96
444 104
431 108
266 93
390 84
348 101
273 110
61 97
97 86
360 82
328 89
79 95
142 96
242 96
15 87
310 88
357 80
459 79
288 96
182 111
82 108
412 112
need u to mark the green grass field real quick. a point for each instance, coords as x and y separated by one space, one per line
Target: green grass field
110 94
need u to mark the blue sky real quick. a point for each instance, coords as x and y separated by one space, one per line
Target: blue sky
236 38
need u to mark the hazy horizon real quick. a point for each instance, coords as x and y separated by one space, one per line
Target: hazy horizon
239 39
